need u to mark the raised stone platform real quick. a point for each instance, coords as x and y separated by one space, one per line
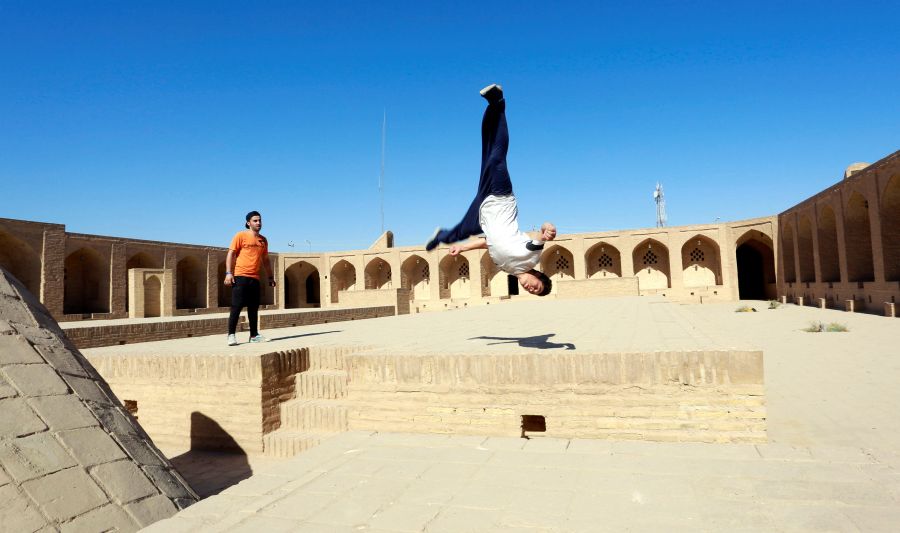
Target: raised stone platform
624 368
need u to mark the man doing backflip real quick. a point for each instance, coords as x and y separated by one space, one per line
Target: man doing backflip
247 252
494 212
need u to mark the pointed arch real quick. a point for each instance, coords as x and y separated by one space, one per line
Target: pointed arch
651 264
343 278
603 260
138 260
22 261
152 297
301 286
415 275
805 255
558 264
86 283
829 266
701 262
755 256
890 229
190 283
858 239
378 274
494 282
454 277
787 252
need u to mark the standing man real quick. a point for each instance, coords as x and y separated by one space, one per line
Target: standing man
248 250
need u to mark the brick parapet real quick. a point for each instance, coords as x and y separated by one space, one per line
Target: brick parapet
85 335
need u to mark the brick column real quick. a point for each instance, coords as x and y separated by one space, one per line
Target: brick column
170 263
579 266
212 281
53 260
118 279
875 229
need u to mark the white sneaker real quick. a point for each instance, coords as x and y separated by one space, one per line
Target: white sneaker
492 92
259 338
232 340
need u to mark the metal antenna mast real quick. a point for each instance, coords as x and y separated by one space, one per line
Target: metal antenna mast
381 176
660 200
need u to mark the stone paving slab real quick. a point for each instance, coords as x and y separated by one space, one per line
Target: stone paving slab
400 482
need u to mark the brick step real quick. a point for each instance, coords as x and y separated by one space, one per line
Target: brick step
286 443
313 415
321 384
330 357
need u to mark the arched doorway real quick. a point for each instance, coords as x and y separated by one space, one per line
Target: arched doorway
86 283
494 282
890 229
651 265
558 264
20 260
190 284
700 262
301 286
787 253
152 296
138 260
416 276
454 277
755 267
603 260
829 266
806 257
378 274
858 239
343 278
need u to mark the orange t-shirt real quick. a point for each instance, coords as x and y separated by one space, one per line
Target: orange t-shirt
250 251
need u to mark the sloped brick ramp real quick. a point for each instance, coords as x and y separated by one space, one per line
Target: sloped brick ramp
71 457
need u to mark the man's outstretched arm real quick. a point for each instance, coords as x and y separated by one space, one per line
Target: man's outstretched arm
473 244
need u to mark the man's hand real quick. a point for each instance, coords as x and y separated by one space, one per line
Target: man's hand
229 280
548 231
455 249
271 281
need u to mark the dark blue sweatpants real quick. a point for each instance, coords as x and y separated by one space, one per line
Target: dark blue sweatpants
494 175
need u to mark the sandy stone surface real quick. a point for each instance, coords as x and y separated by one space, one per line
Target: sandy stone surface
831 463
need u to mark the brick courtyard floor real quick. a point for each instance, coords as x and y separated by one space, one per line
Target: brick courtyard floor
831 463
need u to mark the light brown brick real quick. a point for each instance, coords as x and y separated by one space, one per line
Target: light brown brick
65 494
91 446
152 509
106 518
33 456
63 412
17 512
17 418
123 480
34 380
16 349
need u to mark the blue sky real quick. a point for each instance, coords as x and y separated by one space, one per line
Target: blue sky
170 120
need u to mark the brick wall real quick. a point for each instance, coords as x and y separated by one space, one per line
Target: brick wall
681 396
85 335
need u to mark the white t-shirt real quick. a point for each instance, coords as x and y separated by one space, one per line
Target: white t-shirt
513 251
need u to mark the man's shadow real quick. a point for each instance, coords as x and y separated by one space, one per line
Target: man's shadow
304 335
541 342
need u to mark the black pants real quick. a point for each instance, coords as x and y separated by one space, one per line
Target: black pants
494 179
244 293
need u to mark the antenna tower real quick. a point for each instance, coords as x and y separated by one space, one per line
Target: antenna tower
381 176
660 200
